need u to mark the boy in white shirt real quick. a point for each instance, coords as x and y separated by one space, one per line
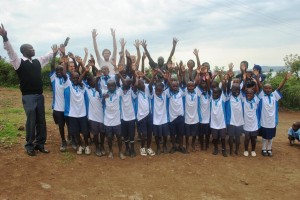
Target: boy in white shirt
75 109
159 111
269 114
112 116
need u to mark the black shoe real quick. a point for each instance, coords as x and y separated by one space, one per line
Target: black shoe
270 154
41 149
215 151
172 150
158 151
182 150
224 153
127 152
133 154
264 152
31 152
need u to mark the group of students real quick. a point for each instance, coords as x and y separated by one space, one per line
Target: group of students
118 99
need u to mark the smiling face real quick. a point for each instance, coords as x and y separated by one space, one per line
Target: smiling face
27 50
111 86
203 86
71 67
74 78
267 89
59 71
217 93
159 87
141 85
235 90
106 54
190 86
175 86
249 94
105 70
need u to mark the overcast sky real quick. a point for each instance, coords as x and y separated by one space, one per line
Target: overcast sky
261 32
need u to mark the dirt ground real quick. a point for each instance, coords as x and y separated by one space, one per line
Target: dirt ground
198 175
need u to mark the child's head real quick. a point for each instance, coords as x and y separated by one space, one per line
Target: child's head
127 84
267 88
174 86
74 78
106 54
59 71
207 65
105 70
236 81
191 63
111 86
141 85
257 68
203 86
235 90
244 65
214 84
190 86
217 93
91 81
159 88
296 126
249 94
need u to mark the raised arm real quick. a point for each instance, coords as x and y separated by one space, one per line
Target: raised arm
196 53
113 33
152 64
86 53
55 50
122 59
94 35
175 40
143 62
287 76
138 53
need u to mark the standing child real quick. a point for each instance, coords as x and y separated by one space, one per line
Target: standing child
269 114
159 107
217 117
112 116
75 109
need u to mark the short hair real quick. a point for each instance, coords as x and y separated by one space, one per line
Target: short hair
159 85
23 47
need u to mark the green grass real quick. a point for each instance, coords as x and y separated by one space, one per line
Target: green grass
67 158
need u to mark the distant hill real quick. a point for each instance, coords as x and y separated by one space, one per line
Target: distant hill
274 68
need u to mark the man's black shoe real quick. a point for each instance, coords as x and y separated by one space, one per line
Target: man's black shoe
41 149
31 153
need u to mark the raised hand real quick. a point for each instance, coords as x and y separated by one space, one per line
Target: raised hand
3 32
54 48
121 67
87 68
122 42
71 55
62 49
288 75
144 44
230 65
137 44
86 51
154 72
127 53
113 62
196 52
207 76
113 32
94 33
175 40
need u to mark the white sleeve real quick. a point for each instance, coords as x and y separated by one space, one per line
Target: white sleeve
13 57
52 76
167 92
261 94
277 95
224 97
44 60
67 83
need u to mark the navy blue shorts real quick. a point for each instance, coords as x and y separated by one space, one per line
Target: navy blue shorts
59 118
191 129
96 127
268 133
235 130
250 133
110 131
161 130
144 126
128 130
218 133
78 125
177 126
204 129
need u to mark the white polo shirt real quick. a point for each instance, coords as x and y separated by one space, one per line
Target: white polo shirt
127 105
74 100
175 104
112 109
217 116
251 114
204 108
269 109
159 107
58 102
143 103
103 82
234 110
93 100
192 104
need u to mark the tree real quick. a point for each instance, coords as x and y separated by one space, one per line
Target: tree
292 62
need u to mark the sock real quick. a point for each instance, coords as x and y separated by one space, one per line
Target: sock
264 144
270 144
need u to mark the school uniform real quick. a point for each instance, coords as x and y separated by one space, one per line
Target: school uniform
269 113
93 100
191 107
175 111
234 115
159 111
102 83
58 99
204 111
75 108
112 113
218 117
127 99
143 111
251 115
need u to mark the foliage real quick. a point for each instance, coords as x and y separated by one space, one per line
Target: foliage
292 62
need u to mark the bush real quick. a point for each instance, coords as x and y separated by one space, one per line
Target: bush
290 91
